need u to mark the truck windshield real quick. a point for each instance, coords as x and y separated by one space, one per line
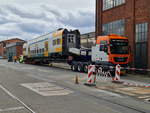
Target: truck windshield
119 46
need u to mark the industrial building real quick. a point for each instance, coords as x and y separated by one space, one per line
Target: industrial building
14 49
5 43
88 39
129 18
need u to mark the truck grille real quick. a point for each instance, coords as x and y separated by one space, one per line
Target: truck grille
120 59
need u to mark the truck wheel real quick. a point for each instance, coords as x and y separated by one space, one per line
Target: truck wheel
73 67
85 68
80 68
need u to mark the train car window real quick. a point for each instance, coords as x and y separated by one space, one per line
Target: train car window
43 50
54 42
58 41
61 40
69 40
72 41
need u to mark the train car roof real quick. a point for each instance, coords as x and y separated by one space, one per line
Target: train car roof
39 37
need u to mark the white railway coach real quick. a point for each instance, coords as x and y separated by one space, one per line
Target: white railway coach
53 46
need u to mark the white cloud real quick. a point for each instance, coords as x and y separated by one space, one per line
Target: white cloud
39 18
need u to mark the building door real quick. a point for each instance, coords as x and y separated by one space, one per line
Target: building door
141 50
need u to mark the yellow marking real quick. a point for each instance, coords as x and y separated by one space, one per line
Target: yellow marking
57 34
61 41
46 53
124 92
58 49
142 97
135 90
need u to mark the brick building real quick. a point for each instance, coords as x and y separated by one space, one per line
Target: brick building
130 18
14 49
3 44
88 39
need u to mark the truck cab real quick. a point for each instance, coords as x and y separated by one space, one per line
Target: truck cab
111 50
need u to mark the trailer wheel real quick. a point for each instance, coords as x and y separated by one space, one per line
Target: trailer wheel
85 69
79 68
73 67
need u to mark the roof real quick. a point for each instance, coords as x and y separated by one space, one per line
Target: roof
9 40
108 37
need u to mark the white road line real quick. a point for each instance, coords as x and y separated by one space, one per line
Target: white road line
16 98
39 77
111 93
12 109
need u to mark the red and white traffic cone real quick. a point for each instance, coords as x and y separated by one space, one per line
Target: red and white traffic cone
91 78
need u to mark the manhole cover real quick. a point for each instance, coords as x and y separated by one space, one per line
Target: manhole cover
47 89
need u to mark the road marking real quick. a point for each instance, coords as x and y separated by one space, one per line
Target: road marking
16 98
135 90
47 89
142 97
12 109
43 70
39 77
109 93
148 99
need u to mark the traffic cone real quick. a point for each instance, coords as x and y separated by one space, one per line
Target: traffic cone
76 80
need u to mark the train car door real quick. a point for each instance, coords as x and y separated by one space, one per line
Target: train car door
71 40
46 49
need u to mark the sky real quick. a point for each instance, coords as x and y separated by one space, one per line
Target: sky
27 19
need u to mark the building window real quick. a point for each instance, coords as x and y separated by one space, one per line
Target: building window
107 4
141 32
115 27
141 49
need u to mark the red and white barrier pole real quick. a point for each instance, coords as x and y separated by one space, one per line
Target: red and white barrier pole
91 78
117 74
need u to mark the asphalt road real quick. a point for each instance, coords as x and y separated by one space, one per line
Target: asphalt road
39 89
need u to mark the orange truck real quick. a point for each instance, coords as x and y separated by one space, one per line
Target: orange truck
111 50
108 51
